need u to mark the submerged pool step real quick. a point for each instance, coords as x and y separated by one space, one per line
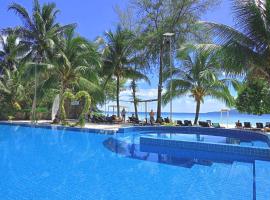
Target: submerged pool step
262 177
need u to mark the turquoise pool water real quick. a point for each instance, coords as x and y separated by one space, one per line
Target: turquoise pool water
38 163
221 139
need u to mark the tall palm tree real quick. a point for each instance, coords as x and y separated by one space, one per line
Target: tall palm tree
198 76
139 62
41 32
118 58
248 46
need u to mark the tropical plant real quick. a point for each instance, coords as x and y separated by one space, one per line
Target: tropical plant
199 76
246 48
41 33
118 58
12 50
75 66
253 97
78 96
12 92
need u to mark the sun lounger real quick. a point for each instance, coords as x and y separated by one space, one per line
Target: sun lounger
179 123
204 124
238 125
216 125
247 125
187 123
167 120
259 125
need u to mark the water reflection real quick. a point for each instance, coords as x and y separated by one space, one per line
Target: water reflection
135 151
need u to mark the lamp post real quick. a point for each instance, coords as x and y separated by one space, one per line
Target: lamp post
170 35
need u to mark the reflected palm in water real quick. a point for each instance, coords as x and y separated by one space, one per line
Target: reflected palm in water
132 150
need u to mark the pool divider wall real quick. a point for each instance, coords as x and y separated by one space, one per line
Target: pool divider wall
240 133
252 152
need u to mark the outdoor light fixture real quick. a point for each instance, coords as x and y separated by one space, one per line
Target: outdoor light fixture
170 35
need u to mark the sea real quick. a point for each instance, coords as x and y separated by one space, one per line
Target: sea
226 118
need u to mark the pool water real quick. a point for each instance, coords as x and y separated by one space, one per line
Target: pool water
51 164
248 142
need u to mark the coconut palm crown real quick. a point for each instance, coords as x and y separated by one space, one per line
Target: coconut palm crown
247 46
41 32
199 76
118 58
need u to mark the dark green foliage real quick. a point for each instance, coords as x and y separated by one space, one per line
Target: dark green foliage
254 97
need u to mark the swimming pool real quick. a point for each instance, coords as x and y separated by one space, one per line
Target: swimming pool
219 139
39 163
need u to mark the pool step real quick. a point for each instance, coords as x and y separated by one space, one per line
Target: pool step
262 177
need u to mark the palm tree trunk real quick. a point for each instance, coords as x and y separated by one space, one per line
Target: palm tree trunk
160 81
198 106
117 95
133 86
34 105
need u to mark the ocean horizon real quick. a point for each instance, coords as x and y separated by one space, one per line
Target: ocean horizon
233 117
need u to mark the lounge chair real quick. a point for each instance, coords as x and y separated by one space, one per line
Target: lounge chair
216 125
134 120
204 124
179 123
116 120
238 125
247 125
259 125
187 123
167 120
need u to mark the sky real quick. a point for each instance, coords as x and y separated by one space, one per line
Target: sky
94 17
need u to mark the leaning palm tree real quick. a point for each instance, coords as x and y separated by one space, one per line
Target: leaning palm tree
246 48
41 32
118 58
198 76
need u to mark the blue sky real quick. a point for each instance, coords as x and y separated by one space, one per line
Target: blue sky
93 17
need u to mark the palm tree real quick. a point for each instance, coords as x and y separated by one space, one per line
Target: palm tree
248 46
139 62
41 32
12 51
12 91
118 58
199 76
76 65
